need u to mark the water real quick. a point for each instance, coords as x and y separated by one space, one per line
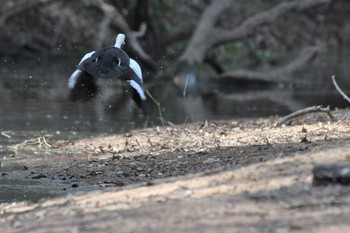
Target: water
19 189
34 92
34 98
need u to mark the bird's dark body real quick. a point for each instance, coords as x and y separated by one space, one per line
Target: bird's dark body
85 89
107 63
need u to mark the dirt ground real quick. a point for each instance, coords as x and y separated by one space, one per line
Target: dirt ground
222 176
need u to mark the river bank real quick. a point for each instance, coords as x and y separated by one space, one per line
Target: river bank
223 176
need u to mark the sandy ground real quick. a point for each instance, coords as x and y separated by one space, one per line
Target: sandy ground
228 176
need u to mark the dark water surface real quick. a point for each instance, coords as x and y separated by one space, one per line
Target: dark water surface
34 98
34 103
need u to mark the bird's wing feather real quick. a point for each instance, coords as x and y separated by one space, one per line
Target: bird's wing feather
73 78
86 56
136 68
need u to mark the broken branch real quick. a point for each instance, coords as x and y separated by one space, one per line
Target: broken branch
206 35
280 75
304 111
120 23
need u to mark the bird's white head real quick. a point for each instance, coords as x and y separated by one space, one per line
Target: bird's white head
120 40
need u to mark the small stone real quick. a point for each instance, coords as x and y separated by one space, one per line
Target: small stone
39 176
331 174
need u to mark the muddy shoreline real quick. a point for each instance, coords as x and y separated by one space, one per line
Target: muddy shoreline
222 176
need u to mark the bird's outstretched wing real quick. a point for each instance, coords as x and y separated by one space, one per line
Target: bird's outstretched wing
136 83
136 68
73 78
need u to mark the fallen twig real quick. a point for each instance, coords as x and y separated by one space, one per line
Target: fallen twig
40 141
318 108
339 90
185 88
5 134
44 142
160 111
159 108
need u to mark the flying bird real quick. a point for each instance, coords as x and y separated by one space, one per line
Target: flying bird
108 63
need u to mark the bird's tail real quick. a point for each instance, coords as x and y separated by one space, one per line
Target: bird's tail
138 95
137 87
